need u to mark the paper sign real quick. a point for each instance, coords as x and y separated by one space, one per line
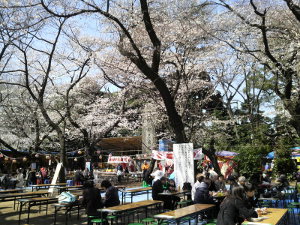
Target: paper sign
54 180
183 163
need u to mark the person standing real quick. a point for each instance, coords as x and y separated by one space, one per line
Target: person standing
144 168
32 177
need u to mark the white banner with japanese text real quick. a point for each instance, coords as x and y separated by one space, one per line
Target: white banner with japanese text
183 163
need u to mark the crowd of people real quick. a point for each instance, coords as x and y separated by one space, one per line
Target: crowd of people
239 196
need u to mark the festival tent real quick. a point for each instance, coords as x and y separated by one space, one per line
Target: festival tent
226 154
295 153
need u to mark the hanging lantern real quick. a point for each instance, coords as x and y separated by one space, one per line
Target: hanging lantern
98 152
79 152
47 156
75 159
6 158
14 161
37 155
24 159
100 156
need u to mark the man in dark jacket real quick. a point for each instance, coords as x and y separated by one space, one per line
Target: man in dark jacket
202 195
91 199
111 194
157 188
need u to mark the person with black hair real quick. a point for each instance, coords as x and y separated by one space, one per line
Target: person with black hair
232 182
220 183
250 196
202 195
111 194
157 188
199 179
91 199
233 209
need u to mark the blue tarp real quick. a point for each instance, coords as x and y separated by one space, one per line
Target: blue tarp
270 155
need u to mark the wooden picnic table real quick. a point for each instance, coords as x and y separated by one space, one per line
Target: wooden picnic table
135 192
273 217
15 196
68 207
11 191
121 209
34 202
39 186
67 188
175 193
178 214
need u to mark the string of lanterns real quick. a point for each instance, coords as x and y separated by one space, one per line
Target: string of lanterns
48 156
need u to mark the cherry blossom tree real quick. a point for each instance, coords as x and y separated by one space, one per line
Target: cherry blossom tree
268 32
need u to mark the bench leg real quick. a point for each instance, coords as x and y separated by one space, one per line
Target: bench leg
55 212
28 213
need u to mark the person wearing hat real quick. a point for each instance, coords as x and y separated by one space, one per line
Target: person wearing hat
157 175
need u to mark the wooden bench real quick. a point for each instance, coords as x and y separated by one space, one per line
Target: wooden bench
179 214
135 192
39 186
68 208
34 202
15 196
122 209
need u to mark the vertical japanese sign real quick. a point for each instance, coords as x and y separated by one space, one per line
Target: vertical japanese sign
55 177
183 163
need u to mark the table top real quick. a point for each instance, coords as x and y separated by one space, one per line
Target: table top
183 212
11 191
46 185
76 203
23 194
40 199
273 217
174 193
67 187
130 206
138 189
268 199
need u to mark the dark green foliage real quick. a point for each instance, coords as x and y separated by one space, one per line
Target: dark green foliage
283 162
